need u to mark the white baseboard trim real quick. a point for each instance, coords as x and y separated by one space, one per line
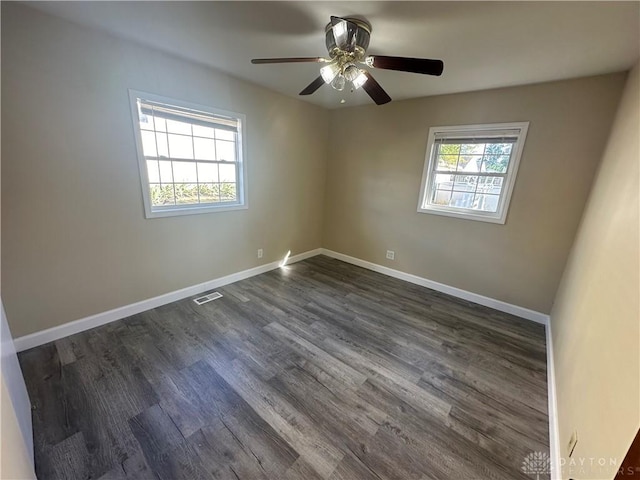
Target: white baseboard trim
441 287
45 336
554 432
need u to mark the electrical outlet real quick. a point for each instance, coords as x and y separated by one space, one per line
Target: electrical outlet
391 255
572 443
260 253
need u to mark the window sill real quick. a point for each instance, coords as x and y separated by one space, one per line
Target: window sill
173 212
467 215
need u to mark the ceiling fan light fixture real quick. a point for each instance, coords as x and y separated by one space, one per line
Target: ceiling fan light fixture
359 80
329 72
339 82
351 72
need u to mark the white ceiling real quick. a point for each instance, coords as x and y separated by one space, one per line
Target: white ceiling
483 44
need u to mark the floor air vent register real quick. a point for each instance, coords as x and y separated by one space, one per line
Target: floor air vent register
207 298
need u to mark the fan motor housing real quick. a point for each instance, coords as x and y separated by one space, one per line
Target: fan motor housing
363 33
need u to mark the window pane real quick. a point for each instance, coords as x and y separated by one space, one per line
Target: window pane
161 195
225 134
447 162
462 200
161 142
148 143
226 150
152 171
160 124
166 174
180 146
449 149
227 192
472 148
174 126
443 181
227 173
442 197
207 172
205 149
469 163
495 163
465 183
498 149
185 172
146 122
209 192
490 185
186 193
200 131
486 203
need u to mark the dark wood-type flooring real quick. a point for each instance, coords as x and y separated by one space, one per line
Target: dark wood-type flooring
320 370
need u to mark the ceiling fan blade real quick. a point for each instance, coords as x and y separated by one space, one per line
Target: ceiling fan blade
425 66
313 86
344 33
375 91
288 60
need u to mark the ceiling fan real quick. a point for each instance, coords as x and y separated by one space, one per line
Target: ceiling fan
347 40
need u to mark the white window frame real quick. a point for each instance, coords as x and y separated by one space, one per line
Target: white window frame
518 129
152 211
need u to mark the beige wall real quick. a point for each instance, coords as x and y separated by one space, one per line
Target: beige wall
596 318
16 438
75 239
373 182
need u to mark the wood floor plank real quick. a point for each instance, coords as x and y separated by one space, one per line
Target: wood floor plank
380 374
348 413
301 470
258 438
322 370
297 429
449 453
352 467
45 380
67 459
116 473
380 356
308 350
224 455
182 463
156 433
136 467
64 346
175 394
216 395
111 400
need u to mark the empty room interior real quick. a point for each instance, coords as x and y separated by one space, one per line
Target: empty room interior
309 240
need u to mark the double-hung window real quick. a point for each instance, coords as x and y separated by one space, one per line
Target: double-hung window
190 156
470 170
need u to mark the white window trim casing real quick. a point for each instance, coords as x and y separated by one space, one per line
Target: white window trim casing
485 130
158 212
